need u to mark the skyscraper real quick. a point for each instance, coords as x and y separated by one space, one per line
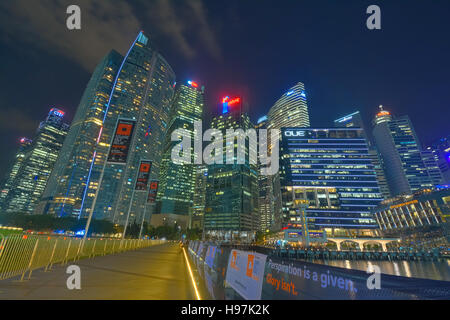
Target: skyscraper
141 97
265 187
441 152
355 120
291 110
400 150
37 163
65 188
431 164
199 199
331 170
125 95
177 180
231 209
24 144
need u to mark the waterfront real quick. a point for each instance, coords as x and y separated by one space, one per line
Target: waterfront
434 270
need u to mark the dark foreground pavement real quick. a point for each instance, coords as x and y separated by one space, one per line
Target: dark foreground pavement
155 273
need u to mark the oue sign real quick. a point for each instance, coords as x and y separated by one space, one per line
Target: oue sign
292 133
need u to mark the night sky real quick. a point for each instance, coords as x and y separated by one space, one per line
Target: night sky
256 48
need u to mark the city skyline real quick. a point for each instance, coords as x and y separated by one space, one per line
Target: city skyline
333 78
238 151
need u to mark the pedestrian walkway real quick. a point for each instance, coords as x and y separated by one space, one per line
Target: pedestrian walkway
154 273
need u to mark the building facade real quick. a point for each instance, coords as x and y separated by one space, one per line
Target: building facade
441 152
38 161
65 189
199 198
291 110
266 195
231 210
355 120
422 217
136 89
401 153
177 180
24 144
328 174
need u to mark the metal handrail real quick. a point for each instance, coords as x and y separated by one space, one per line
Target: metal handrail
22 254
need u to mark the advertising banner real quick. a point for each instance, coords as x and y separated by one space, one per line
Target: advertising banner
210 254
119 150
143 175
245 273
200 249
297 280
153 192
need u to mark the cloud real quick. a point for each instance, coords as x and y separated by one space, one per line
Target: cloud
205 28
17 121
106 25
164 19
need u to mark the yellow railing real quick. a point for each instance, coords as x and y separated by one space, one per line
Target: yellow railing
20 254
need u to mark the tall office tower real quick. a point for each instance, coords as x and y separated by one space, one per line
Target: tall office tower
400 150
431 164
131 96
177 180
330 170
441 151
140 105
10 179
265 186
291 110
198 203
378 165
67 183
232 189
37 164
355 120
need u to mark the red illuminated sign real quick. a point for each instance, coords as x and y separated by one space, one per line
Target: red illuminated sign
143 176
154 184
122 140
227 103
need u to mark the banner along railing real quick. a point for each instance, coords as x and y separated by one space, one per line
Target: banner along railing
22 254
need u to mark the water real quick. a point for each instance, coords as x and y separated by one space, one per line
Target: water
411 269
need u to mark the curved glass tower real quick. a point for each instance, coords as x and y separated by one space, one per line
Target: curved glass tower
136 88
291 110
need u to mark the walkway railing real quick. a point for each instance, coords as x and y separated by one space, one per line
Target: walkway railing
22 254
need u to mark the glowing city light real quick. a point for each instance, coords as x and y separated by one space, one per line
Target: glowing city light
227 103
193 84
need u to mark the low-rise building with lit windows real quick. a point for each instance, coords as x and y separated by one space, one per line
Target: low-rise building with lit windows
415 213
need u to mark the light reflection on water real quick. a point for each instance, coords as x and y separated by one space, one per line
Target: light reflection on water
412 269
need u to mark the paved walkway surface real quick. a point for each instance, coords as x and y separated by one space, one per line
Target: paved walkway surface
155 273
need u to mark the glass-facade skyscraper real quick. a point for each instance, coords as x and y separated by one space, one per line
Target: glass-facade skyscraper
400 149
231 209
291 110
355 120
266 195
177 180
64 192
137 88
36 164
24 144
441 152
331 170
